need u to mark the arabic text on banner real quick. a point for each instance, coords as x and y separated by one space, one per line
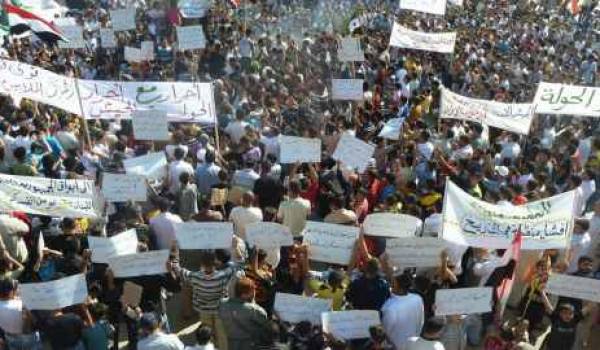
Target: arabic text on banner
350 50
297 308
194 8
108 39
122 19
415 251
299 149
124 187
104 248
190 38
463 301
150 124
56 294
353 153
140 264
513 117
574 287
567 99
204 235
330 242
44 196
353 324
268 234
392 225
436 7
409 39
347 89
545 224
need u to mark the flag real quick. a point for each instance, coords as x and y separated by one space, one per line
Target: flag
235 3
574 6
21 21
505 287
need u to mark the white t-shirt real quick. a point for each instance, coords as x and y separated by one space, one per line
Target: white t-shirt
11 316
294 212
236 129
163 227
425 150
241 217
403 317
160 341
175 170
580 246
417 343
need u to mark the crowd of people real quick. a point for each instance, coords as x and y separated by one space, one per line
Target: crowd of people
268 83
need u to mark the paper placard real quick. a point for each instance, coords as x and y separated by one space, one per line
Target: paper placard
218 196
140 264
153 166
268 234
52 197
330 243
194 8
204 235
574 287
124 187
347 89
436 7
350 50
108 40
463 301
391 225
191 38
104 248
392 129
567 100
150 124
132 294
74 35
147 49
133 54
353 152
123 19
294 308
299 149
353 324
415 251
56 294
545 224
410 39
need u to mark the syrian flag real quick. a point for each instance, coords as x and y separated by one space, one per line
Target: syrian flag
503 290
21 21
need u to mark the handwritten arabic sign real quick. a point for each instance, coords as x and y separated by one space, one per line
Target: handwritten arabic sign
123 187
140 264
190 38
353 324
574 287
410 39
347 89
514 117
107 38
74 35
299 149
43 196
436 7
350 50
415 251
391 225
133 54
296 308
567 99
330 242
194 8
463 301
123 19
204 235
545 224
104 248
153 166
150 124
54 295
268 234
353 152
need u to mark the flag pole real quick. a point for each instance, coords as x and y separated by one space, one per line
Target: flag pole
84 121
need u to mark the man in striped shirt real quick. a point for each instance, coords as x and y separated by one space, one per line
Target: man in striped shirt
209 286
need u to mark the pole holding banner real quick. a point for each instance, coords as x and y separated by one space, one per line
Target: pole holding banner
85 126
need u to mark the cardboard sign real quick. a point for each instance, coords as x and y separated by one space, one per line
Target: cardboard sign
56 294
391 225
574 287
204 235
299 149
123 187
140 264
123 19
152 166
150 124
415 251
74 35
353 152
296 308
104 248
268 234
463 301
191 38
347 89
436 7
562 99
353 324
330 242
409 39
108 39
350 50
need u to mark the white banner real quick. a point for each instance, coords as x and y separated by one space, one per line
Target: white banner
436 7
124 187
194 8
44 196
563 99
123 19
204 235
353 152
409 39
353 324
513 117
104 248
347 89
190 38
153 166
350 50
140 264
545 224
56 294
392 225
415 251
574 287
330 242
108 40
74 35
183 102
150 124
294 308
463 301
299 149
268 234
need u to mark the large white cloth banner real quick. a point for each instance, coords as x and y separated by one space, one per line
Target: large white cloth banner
513 117
44 196
574 100
545 224
56 294
436 7
409 39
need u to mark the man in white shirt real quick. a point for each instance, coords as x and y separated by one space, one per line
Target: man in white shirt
176 168
237 128
294 211
163 225
429 340
511 148
245 214
154 338
403 313
580 244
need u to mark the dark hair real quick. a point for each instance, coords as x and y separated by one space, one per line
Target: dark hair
203 334
434 325
178 153
163 204
243 286
20 153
